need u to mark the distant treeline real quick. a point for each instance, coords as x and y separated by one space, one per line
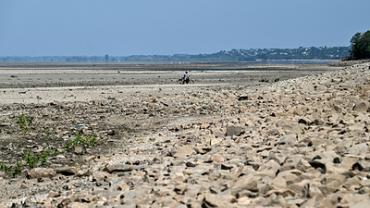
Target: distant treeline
235 55
360 43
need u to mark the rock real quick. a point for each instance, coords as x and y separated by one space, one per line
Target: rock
41 173
337 109
273 132
361 204
2 174
99 176
111 132
303 165
79 205
83 172
184 151
190 164
53 194
318 165
243 98
269 169
244 201
212 200
278 157
81 126
205 126
202 149
290 176
121 167
234 131
306 188
290 140
317 122
217 158
5 125
332 183
304 121
284 193
352 184
121 186
226 167
358 149
67 171
216 141
360 107
248 182
79 149
348 162
279 183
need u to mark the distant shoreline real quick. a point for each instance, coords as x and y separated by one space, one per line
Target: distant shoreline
268 61
272 55
146 63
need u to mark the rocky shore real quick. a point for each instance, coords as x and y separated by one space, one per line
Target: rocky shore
302 142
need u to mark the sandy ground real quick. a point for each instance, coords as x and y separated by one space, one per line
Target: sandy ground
85 75
43 84
275 137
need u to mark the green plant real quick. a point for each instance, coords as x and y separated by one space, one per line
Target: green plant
29 159
81 140
34 160
24 122
11 170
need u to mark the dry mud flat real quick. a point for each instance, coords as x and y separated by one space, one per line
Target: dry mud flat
295 143
14 76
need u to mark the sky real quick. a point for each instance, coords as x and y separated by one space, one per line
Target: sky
164 27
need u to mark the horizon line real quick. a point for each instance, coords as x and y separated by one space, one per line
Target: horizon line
174 54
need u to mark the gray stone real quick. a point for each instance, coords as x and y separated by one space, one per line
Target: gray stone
41 173
234 131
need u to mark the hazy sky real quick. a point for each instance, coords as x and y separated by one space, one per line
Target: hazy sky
126 27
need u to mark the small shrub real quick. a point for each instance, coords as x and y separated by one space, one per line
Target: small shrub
24 122
29 159
34 160
11 170
83 140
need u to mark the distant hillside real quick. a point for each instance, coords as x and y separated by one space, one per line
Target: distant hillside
234 55
254 55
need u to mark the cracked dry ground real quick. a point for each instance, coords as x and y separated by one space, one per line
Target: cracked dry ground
297 143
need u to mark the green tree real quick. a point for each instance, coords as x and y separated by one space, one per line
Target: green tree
360 46
366 44
355 44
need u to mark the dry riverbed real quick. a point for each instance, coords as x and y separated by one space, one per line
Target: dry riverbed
257 139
